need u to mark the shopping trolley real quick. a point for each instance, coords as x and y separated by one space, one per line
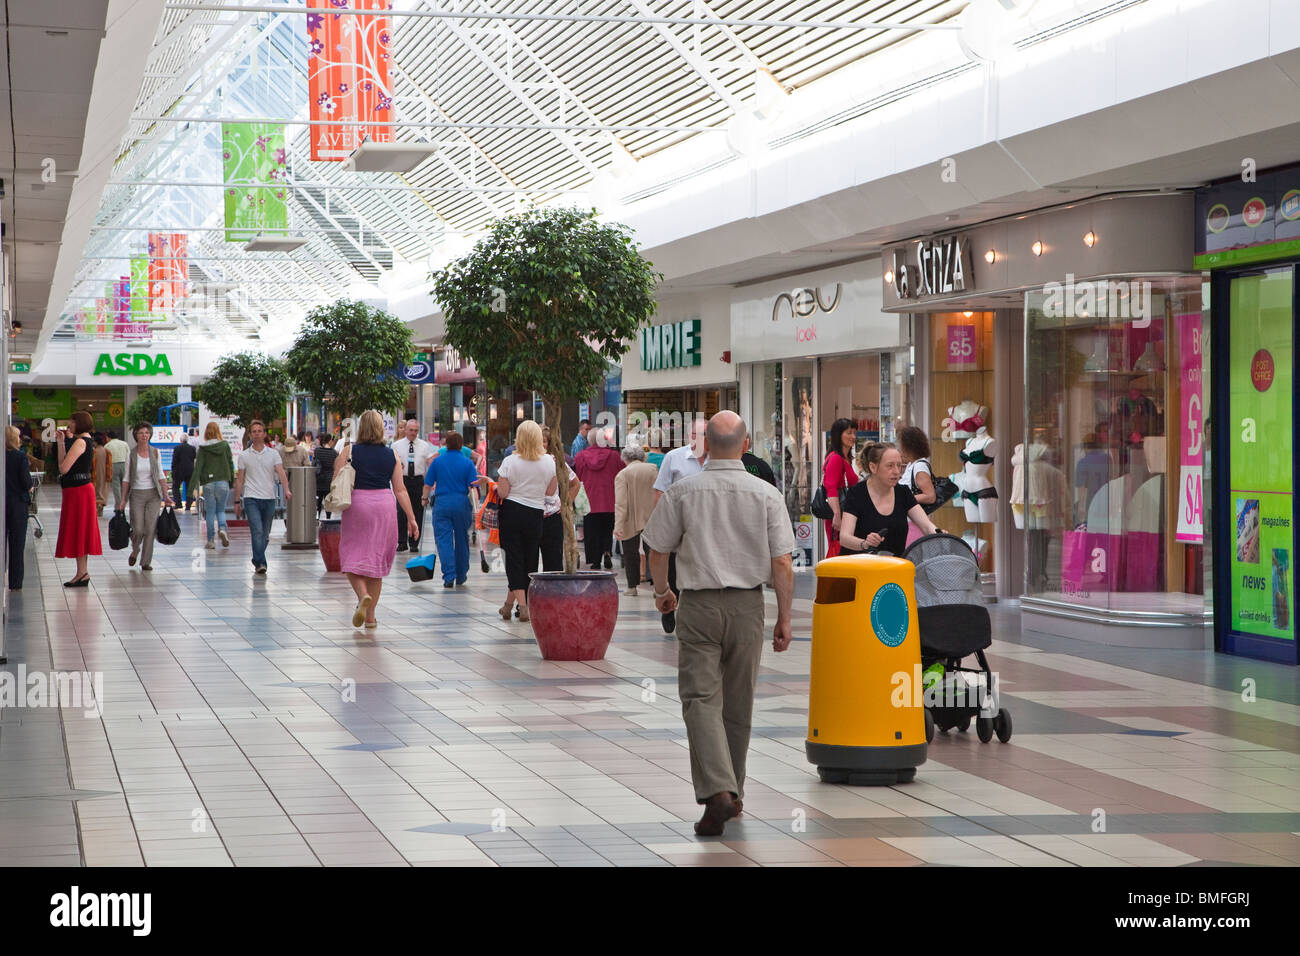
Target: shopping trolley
37 478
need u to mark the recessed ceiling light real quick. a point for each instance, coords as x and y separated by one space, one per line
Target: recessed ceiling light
1089 238
1036 248
991 257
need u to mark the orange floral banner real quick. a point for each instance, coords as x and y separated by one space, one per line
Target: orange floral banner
347 77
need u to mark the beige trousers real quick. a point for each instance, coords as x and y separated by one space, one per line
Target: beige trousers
145 508
719 647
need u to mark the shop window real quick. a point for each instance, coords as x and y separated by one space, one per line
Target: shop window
1113 446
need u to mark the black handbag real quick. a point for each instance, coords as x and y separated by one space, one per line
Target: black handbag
168 530
820 507
119 531
944 490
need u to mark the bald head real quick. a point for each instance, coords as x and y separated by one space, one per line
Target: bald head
725 436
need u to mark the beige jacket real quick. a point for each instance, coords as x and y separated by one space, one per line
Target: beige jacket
634 497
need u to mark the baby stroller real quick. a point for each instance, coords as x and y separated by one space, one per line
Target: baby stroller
954 624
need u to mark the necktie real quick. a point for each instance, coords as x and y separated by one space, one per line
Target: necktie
410 459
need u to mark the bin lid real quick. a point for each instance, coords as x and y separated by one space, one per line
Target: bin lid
863 566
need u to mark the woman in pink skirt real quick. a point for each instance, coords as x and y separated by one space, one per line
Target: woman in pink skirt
368 533
79 517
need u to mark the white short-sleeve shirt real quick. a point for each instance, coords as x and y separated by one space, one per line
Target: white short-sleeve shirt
259 471
528 479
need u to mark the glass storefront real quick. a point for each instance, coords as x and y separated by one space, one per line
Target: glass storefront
1113 448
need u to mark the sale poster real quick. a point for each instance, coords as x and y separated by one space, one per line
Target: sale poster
961 347
1191 513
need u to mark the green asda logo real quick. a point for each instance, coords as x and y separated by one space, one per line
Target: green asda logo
126 363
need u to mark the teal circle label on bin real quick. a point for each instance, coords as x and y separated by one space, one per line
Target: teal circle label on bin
889 615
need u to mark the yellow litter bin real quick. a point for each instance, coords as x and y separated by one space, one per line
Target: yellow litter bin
866 721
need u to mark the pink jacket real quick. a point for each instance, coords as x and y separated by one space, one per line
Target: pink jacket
596 467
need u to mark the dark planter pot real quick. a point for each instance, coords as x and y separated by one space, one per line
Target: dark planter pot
573 615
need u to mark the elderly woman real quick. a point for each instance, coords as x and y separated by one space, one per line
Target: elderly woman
368 533
552 521
634 499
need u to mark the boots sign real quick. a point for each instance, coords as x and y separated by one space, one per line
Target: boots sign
942 266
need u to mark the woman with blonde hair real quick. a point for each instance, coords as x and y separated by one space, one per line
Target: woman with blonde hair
214 470
368 533
524 481
18 495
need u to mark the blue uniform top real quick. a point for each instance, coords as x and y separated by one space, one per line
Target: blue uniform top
451 476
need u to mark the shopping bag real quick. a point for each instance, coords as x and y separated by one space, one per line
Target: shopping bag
339 498
119 531
490 515
168 529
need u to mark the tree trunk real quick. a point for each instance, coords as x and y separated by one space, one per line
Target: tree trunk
551 404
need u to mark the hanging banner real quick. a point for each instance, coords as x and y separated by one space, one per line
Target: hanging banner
254 153
169 270
137 323
347 78
1191 512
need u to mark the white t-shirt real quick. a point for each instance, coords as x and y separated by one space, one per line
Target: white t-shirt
423 453
528 479
920 465
552 502
259 471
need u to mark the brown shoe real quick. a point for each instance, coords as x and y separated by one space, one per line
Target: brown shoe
719 808
740 806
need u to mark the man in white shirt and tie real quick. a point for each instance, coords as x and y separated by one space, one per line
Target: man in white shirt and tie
413 454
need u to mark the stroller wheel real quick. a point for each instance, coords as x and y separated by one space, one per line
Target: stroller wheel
984 729
1002 724
929 727
964 724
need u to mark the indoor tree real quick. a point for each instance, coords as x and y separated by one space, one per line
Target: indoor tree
350 355
246 386
147 404
545 301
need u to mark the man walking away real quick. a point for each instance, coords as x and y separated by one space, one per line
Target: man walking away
259 466
183 473
732 535
413 454
678 464
117 450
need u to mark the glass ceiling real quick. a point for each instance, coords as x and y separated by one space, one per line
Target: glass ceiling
521 110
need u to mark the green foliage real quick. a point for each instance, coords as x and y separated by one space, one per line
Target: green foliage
546 300
248 385
348 354
146 405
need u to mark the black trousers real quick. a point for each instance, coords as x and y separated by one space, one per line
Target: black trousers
553 542
15 537
632 559
521 538
414 489
598 536
187 479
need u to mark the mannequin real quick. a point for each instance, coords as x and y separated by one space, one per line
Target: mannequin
978 496
1018 486
1047 505
963 420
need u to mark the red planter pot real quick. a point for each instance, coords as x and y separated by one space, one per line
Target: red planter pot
573 615
328 538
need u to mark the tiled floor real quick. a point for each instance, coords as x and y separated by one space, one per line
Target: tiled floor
246 723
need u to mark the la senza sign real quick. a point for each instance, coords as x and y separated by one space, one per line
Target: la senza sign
942 266
140 364
675 345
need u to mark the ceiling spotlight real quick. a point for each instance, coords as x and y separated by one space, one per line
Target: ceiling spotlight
990 257
968 314
1037 248
1089 238
889 276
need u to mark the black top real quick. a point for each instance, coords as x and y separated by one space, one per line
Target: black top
183 459
80 473
325 458
18 475
374 465
758 468
857 501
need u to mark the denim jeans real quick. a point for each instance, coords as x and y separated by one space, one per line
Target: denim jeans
260 512
215 494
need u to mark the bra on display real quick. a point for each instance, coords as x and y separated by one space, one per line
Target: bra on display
976 457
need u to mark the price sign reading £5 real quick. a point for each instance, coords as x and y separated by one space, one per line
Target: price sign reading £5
1191 514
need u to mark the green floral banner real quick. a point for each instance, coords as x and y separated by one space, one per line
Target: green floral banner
254 153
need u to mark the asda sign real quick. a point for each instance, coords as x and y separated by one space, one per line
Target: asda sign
675 345
137 364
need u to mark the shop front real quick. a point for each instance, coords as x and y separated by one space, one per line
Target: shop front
810 350
1063 364
680 367
1248 240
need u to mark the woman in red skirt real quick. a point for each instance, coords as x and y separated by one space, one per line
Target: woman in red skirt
79 518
